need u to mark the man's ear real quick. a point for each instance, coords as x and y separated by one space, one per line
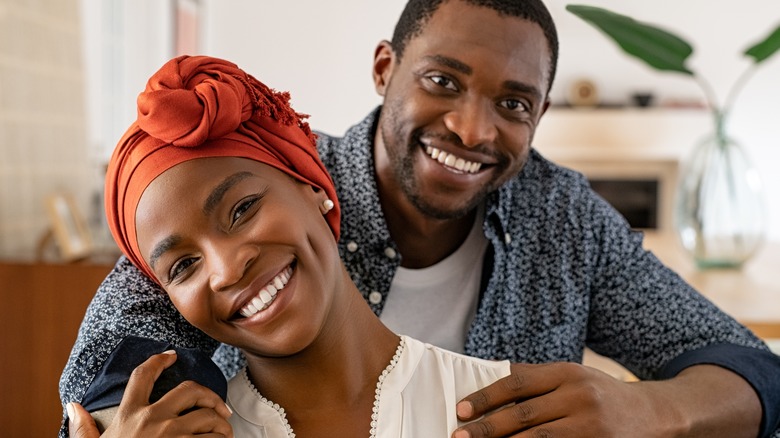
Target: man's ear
384 60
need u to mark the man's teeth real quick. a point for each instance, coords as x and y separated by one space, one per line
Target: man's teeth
450 160
266 296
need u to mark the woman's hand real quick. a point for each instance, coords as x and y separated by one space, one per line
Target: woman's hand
137 418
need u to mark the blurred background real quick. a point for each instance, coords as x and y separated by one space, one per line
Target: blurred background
70 71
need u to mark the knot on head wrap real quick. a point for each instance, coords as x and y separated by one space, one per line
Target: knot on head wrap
198 107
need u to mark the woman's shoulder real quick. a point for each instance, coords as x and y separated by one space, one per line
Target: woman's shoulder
460 372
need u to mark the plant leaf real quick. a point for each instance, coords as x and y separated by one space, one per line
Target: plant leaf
766 48
660 49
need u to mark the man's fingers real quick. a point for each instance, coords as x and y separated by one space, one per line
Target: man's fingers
524 381
80 423
561 427
141 382
539 411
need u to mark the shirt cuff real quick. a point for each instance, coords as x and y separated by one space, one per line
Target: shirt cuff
760 368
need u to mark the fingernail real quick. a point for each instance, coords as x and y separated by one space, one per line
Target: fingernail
71 411
229 410
169 352
461 434
465 410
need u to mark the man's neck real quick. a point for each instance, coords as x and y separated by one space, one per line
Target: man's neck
424 241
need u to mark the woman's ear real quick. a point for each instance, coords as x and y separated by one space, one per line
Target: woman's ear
321 199
384 59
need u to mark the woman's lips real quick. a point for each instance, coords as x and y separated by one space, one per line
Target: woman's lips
267 294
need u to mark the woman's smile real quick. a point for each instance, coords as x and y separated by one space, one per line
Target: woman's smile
267 295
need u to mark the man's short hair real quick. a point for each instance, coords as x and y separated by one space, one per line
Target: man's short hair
416 14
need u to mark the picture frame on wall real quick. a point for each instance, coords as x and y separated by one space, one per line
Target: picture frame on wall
68 227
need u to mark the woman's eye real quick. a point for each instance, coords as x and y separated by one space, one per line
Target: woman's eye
180 267
241 209
443 81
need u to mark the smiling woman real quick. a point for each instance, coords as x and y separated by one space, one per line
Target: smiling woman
217 194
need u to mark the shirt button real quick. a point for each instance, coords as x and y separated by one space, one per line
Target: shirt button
352 246
390 253
507 238
375 297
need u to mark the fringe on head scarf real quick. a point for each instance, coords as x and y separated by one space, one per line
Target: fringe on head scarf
198 107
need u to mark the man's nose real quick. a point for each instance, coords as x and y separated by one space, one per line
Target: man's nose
473 122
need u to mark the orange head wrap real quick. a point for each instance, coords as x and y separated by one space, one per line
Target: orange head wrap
198 107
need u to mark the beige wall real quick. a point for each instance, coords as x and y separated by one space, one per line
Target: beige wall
323 55
42 146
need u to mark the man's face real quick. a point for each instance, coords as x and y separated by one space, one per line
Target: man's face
460 108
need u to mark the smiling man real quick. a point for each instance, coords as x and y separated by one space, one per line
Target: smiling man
459 233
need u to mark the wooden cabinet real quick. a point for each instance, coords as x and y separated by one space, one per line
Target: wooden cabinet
41 308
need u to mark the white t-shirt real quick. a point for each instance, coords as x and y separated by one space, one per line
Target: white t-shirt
417 397
437 304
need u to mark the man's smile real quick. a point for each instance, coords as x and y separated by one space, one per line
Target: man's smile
452 162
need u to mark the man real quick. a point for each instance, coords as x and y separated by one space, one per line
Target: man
459 233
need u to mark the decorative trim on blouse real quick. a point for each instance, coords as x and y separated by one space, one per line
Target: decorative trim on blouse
275 406
378 392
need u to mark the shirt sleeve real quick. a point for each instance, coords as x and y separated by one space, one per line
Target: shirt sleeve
759 367
649 319
128 303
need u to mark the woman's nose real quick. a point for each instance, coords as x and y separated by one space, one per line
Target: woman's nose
228 265
473 122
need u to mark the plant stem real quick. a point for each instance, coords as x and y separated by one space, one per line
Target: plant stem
709 93
739 85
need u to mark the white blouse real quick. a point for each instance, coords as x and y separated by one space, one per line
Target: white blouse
417 397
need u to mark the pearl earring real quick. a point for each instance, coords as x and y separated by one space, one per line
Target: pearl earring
327 205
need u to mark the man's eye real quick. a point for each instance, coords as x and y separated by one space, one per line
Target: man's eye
514 105
443 81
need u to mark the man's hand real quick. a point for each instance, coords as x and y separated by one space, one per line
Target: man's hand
137 418
572 400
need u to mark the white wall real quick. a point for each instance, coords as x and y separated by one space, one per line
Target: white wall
322 53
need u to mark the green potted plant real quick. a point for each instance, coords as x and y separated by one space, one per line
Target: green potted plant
720 214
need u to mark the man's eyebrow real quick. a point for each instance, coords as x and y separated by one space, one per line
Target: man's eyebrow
219 191
451 63
160 249
454 64
521 87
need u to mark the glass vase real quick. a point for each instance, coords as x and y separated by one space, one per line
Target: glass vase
720 215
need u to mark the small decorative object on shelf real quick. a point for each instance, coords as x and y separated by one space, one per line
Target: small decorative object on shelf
68 227
642 99
720 215
583 93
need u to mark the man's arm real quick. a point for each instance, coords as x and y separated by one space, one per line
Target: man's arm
646 317
127 303
570 400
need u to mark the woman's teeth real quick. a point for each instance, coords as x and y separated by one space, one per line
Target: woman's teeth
452 161
266 296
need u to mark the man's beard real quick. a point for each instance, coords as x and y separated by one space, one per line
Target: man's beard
403 170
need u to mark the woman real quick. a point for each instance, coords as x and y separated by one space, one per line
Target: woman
217 193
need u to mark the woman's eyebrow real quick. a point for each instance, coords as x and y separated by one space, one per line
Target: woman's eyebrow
160 249
219 191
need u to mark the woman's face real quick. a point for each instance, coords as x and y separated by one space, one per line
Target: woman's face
243 251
